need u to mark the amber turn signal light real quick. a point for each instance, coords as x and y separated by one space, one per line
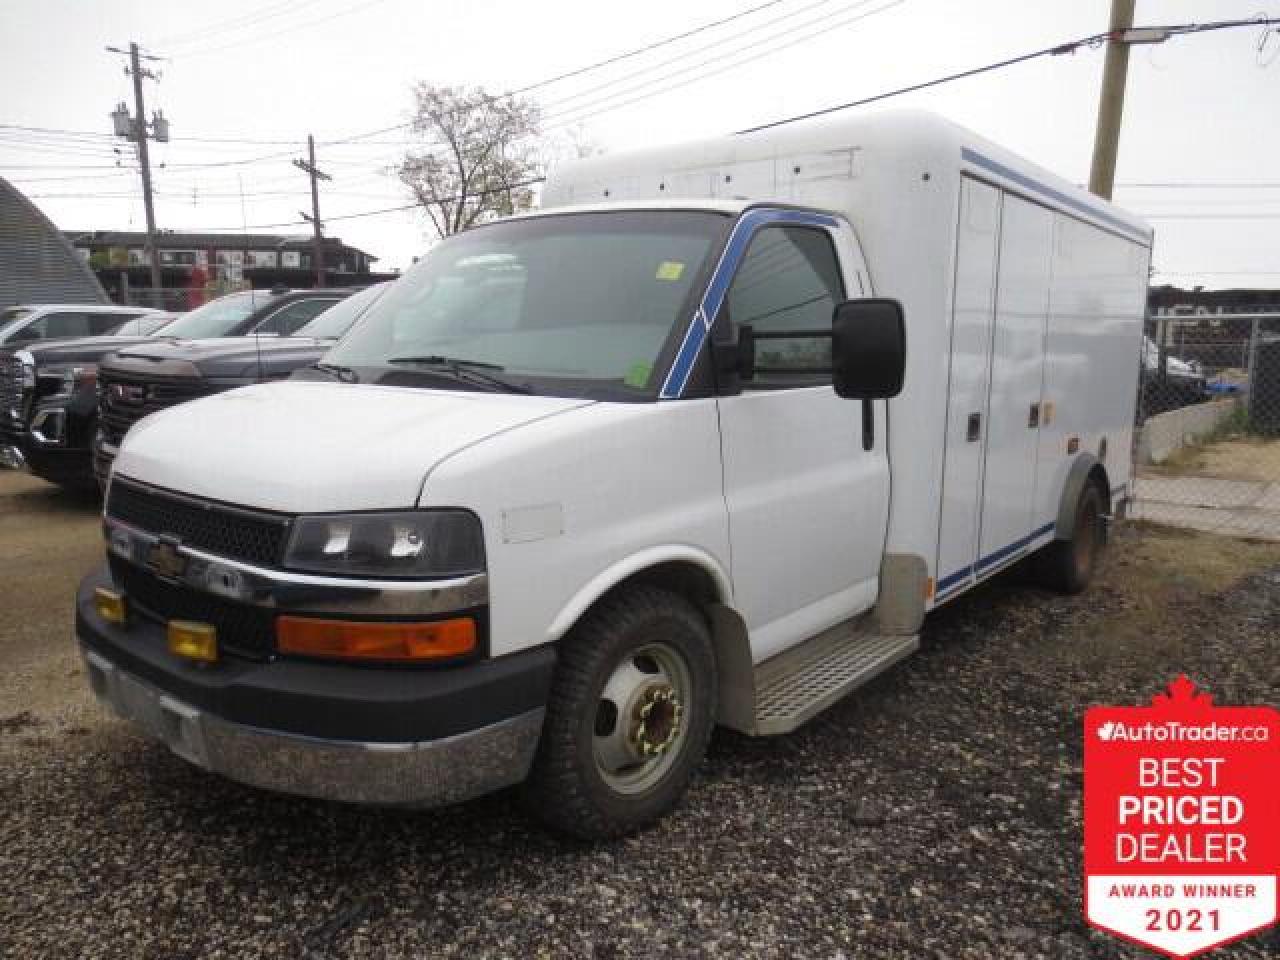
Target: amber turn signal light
194 641
110 605
364 640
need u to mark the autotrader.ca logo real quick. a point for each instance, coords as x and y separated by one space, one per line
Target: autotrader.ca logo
1172 731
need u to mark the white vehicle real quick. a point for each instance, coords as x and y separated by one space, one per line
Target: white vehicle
587 482
25 323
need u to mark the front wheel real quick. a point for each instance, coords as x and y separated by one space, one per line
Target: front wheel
1068 565
630 714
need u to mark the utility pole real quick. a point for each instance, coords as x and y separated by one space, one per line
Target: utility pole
135 129
1115 70
317 241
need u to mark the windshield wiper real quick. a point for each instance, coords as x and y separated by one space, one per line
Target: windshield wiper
345 374
467 371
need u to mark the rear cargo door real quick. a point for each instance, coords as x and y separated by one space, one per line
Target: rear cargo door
1017 370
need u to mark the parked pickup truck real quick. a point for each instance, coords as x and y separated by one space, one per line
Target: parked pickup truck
152 376
49 390
700 442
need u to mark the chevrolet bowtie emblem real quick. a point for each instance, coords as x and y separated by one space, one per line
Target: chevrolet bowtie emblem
166 559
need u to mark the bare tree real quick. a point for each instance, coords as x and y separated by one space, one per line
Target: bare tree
479 157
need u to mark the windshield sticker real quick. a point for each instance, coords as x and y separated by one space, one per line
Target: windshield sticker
638 374
670 270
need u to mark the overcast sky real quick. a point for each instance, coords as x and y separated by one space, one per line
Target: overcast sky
1200 109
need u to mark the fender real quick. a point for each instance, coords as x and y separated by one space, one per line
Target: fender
1082 468
609 578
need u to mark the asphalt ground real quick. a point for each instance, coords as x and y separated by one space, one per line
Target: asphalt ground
935 814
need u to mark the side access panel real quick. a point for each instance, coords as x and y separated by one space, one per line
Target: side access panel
977 256
1017 372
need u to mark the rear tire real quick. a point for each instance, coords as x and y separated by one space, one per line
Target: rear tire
1068 565
629 717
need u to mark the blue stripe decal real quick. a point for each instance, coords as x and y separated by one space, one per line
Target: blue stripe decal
718 287
1003 552
1053 193
954 578
990 559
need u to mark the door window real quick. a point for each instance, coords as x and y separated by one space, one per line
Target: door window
789 280
53 325
101 324
292 316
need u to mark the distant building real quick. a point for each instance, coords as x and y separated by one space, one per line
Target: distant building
216 261
1170 301
37 264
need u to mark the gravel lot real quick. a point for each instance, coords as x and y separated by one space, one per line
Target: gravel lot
937 814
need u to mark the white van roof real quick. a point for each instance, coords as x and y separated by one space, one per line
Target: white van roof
810 162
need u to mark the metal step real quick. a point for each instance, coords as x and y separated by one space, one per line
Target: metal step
802 682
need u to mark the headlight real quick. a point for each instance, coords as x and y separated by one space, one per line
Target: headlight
28 363
419 543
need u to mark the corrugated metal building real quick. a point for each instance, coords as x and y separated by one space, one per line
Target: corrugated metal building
37 264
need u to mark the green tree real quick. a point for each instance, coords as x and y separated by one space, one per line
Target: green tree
478 157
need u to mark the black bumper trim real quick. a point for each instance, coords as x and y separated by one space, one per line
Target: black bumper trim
331 701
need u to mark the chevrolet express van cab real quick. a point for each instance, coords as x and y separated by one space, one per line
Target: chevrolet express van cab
700 442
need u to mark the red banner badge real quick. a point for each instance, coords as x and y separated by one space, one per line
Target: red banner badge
1181 821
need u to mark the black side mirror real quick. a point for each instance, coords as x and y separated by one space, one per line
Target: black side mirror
868 349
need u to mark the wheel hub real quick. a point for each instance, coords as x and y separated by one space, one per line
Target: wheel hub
656 720
638 729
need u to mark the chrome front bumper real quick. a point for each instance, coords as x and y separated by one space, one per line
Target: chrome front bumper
426 774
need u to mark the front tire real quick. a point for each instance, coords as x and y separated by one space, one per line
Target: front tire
1068 566
629 717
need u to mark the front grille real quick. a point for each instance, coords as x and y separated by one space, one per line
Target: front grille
250 536
243 630
12 396
124 400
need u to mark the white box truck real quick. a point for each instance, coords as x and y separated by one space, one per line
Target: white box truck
699 442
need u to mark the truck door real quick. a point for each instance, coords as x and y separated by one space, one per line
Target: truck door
808 505
1017 371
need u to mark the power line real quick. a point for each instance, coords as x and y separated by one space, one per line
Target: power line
232 23
383 210
627 55
598 65
1062 48
685 55
823 31
200 52
579 71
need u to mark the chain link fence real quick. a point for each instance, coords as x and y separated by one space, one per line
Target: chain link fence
1208 430
176 299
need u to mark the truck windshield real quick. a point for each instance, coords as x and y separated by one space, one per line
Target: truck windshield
218 317
582 304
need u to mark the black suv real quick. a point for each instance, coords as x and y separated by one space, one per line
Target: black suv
150 376
49 389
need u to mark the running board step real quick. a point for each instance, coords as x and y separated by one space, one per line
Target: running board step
795 686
